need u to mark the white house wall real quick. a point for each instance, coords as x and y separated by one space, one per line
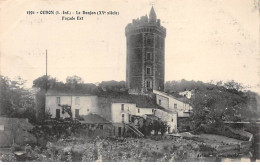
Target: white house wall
168 103
87 104
186 94
131 109
162 101
116 112
169 118
161 114
143 111
172 122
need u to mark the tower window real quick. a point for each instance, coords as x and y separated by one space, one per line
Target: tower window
149 42
148 84
148 56
148 70
175 106
160 102
122 107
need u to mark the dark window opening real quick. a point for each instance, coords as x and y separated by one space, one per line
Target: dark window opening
148 56
123 118
119 131
149 41
57 113
148 70
132 119
148 84
76 113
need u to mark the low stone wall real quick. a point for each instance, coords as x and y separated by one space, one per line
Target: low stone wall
242 133
230 147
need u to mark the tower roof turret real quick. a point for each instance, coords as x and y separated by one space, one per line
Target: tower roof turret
152 15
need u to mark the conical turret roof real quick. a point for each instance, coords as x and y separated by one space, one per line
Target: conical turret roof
152 15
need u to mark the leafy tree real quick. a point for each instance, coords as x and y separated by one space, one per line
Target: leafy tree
156 125
74 80
112 85
232 85
41 82
15 100
214 103
5 95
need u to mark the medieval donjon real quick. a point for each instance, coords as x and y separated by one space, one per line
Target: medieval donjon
145 63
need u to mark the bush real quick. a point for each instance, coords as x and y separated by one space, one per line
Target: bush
203 147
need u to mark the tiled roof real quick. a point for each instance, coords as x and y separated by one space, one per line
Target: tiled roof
67 93
183 99
141 101
168 111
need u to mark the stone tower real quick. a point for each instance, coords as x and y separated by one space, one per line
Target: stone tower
145 63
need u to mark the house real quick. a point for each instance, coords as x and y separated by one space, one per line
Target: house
80 104
187 94
125 112
133 109
180 105
97 125
170 117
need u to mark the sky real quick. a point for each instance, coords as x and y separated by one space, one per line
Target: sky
206 39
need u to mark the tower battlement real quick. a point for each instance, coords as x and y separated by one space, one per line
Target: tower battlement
145 25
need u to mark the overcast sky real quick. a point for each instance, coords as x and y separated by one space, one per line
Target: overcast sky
206 39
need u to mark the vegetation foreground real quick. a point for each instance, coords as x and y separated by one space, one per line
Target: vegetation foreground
111 149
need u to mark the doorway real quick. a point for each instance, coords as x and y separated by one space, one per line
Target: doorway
57 113
76 113
119 131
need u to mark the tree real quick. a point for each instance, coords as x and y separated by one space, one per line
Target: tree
41 82
232 85
112 85
5 95
74 80
214 103
15 100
